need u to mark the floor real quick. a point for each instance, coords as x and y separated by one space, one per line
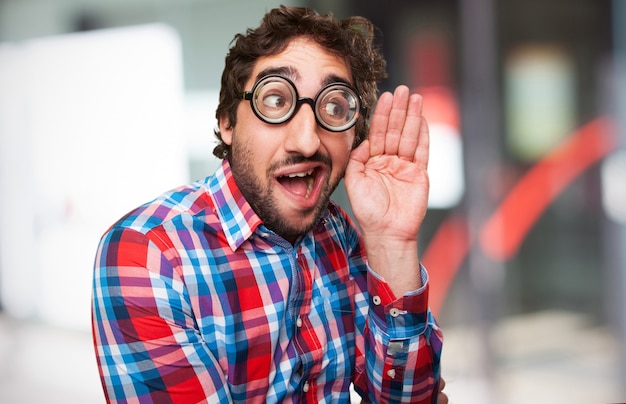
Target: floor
44 364
546 357
549 357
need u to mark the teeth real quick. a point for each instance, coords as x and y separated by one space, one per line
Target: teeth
309 187
300 175
309 180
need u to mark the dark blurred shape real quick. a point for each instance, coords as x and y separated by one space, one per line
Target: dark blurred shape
87 21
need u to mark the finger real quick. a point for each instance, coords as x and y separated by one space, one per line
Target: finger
397 120
361 153
412 127
378 125
442 398
423 143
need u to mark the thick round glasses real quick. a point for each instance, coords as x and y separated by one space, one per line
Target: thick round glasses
274 99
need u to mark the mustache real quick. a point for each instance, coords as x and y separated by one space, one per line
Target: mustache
294 159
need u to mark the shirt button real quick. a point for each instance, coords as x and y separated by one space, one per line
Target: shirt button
394 312
305 388
391 373
376 300
299 322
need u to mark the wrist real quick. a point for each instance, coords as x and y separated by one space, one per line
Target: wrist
397 262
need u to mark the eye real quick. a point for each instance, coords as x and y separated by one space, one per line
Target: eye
335 108
274 101
274 105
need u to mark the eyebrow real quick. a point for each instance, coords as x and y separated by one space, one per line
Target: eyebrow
294 75
286 71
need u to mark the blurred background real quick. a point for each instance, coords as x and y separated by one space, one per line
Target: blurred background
104 105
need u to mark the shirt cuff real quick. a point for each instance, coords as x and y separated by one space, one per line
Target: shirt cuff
402 317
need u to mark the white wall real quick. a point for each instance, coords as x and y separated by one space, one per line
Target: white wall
93 124
90 126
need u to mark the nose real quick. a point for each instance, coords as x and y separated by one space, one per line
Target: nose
303 136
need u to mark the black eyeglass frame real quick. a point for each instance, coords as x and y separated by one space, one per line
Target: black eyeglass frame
295 107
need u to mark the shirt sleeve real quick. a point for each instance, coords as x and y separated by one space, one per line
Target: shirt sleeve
147 347
402 346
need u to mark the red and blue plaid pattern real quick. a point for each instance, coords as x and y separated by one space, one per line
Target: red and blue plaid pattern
196 301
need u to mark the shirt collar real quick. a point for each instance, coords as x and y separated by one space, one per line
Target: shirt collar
238 219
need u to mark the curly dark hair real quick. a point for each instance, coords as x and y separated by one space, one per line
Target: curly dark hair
351 38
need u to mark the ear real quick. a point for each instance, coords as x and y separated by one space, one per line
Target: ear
226 130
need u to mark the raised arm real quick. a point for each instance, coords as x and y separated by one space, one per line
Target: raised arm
387 185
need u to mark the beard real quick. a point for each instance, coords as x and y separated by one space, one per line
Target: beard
259 192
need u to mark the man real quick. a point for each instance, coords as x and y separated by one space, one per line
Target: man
251 286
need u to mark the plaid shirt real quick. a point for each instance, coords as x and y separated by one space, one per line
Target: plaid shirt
196 301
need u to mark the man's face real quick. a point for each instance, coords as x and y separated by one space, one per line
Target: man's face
288 171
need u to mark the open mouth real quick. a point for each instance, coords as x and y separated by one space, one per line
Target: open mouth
299 183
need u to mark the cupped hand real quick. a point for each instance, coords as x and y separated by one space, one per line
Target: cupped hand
386 179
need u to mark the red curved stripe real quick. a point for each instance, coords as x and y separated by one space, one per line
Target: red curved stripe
503 233
444 255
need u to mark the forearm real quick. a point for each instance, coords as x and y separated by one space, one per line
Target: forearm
402 346
409 372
